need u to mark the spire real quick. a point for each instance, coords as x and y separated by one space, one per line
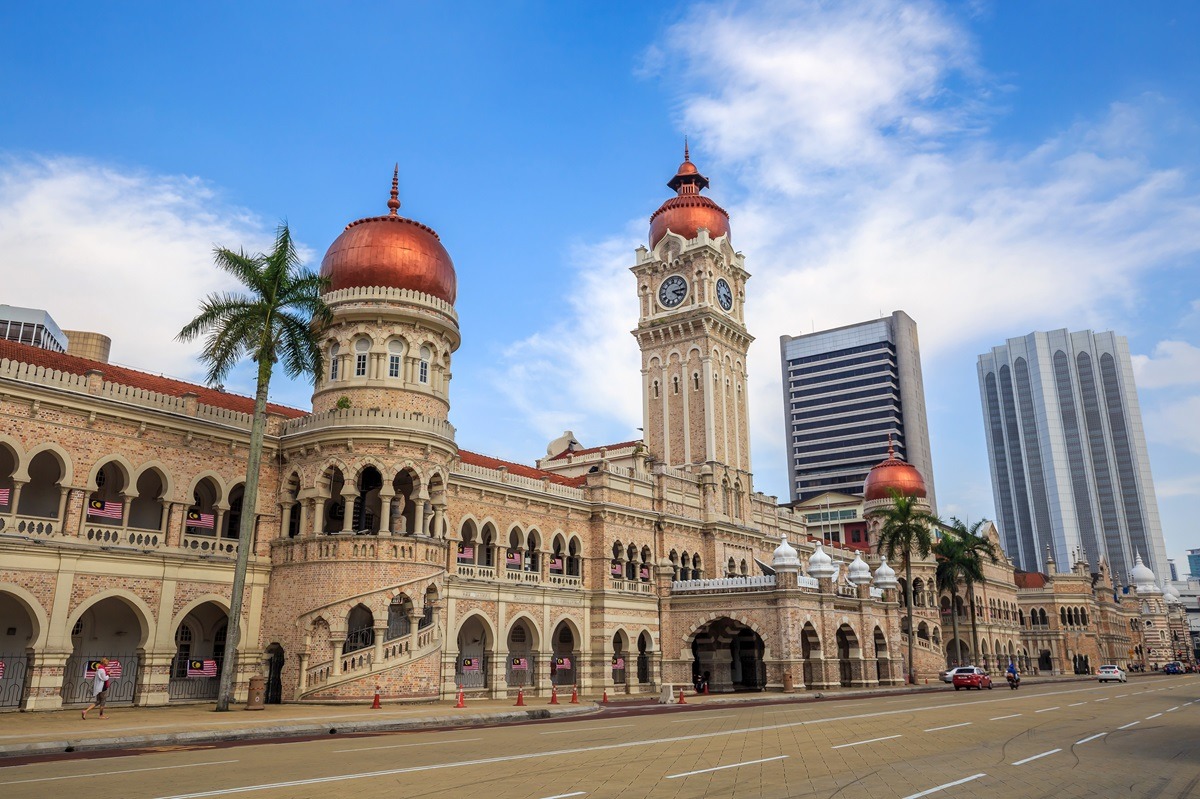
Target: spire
891 448
686 155
394 202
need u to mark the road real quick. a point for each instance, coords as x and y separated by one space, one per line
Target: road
1059 740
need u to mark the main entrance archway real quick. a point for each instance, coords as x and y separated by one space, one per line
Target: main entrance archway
728 655
196 670
110 628
15 649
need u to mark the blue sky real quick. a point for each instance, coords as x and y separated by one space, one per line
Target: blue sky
937 158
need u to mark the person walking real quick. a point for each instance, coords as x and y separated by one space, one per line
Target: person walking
99 689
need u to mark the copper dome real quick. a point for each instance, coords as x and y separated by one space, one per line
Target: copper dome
688 211
893 474
393 252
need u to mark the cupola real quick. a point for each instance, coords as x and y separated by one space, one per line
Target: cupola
820 565
885 575
786 558
859 572
893 474
688 210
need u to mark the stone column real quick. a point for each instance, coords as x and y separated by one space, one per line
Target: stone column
318 513
380 632
285 518
16 497
301 528
73 518
125 500
302 681
385 512
46 680
439 515
348 509
335 646
218 522
64 492
419 515
414 619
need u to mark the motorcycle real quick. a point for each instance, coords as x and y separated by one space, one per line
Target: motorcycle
1014 680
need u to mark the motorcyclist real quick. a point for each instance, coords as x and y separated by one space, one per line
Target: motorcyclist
1012 674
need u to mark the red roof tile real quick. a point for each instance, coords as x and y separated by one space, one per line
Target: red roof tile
73 364
562 455
1029 579
475 459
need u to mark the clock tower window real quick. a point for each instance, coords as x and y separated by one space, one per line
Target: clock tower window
695 381
395 358
423 368
333 361
675 380
656 389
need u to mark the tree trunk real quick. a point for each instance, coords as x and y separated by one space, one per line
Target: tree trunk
974 628
245 536
908 600
954 622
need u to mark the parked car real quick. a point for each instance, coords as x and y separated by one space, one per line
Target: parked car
971 677
1111 674
1174 667
947 676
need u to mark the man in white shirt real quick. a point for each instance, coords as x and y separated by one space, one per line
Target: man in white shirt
99 688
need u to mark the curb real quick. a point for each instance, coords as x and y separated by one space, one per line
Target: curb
287 731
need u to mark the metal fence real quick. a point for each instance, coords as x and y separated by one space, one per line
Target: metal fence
77 689
473 678
193 688
16 676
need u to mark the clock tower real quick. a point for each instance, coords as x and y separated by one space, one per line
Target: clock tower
692 335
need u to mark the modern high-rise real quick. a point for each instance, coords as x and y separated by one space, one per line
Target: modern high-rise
1068 453
846 393
1193 556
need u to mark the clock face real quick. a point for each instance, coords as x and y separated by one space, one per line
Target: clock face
672 291
724 294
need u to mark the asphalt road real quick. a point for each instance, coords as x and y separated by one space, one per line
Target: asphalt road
1064 740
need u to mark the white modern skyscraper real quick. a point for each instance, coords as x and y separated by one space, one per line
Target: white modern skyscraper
845 392
1067 451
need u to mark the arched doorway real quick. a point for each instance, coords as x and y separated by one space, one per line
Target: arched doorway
195 674
1045 662
15 650
360 630
643 659
728 655
810 650
957 653
564 662
275 660
620 651
849 654
110 628
520 668
474 654
883 666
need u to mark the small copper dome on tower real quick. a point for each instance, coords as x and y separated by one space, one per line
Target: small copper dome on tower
392 252
893 474
688 210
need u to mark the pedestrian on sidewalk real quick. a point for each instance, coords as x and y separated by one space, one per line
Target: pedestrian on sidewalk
99 689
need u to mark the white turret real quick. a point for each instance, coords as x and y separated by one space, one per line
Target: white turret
820 565
786 558
1143 578
860 572
885 576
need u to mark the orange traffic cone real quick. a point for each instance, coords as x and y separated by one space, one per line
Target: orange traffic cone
706 689
681 701
375 705
604 701
575 695
462 698
554 696
520 698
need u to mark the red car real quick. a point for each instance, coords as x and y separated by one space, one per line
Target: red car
972 678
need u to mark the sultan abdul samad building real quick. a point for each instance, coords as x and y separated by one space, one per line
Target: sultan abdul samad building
386 554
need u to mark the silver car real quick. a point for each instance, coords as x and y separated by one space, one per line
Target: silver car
948 674
1111 674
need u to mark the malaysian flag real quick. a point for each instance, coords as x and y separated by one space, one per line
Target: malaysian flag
513 558
466 552
114 669
202 668
5 493
616 569
556 563
197 519
618 663
520 664
470 664
1 669
645 572
107 510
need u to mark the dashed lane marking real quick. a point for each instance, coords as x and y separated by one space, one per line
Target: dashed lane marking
1047 709
944 787
1091 738
1156 715
949 727
998 718
565 795
1077 704
1036 757
722 768
870 741
1127 726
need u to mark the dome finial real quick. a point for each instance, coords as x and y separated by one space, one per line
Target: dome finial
394 201
891 448
686 155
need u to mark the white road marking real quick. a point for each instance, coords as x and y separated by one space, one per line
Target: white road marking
949 727
722 768
1046 709
699 718
871 741
123 771
1077 704
585 729
1092 738
406 746
1127 726
1122 696
1156 715
1036 757
1172 708
565 795
998 718
944 787
1105 699
941 708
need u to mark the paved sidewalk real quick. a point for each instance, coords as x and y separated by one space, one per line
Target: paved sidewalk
25 734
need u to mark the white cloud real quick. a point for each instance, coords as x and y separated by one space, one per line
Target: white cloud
1173 423
1173 363
119 252
1187 485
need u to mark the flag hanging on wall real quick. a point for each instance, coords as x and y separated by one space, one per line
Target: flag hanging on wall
114 669
470 664
5 493
520 664
513 558
556 563
106 510
618 663
562 663
1 669
616 569
197 519
202 668
466 551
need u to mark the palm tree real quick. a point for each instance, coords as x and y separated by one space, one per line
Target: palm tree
974 548
279 318
905 529
949 573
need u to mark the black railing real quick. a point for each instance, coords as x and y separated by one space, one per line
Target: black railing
17 666
77 688
358 639
476 676
193 688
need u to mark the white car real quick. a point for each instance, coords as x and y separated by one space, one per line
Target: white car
1111 674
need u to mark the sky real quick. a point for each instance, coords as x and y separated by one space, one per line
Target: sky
991 168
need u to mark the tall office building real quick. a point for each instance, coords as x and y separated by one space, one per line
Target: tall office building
1067 451
1193 556
846 391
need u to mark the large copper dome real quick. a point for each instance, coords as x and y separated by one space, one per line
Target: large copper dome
893 474
688 211
393 252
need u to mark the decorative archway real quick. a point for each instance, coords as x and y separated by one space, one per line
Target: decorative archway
476 642
849 656
117 628
728 656
196 670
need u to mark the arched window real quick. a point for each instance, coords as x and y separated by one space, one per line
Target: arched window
362 346
695 381
675 384
395 358
423 367
656 389
333 361
183 649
